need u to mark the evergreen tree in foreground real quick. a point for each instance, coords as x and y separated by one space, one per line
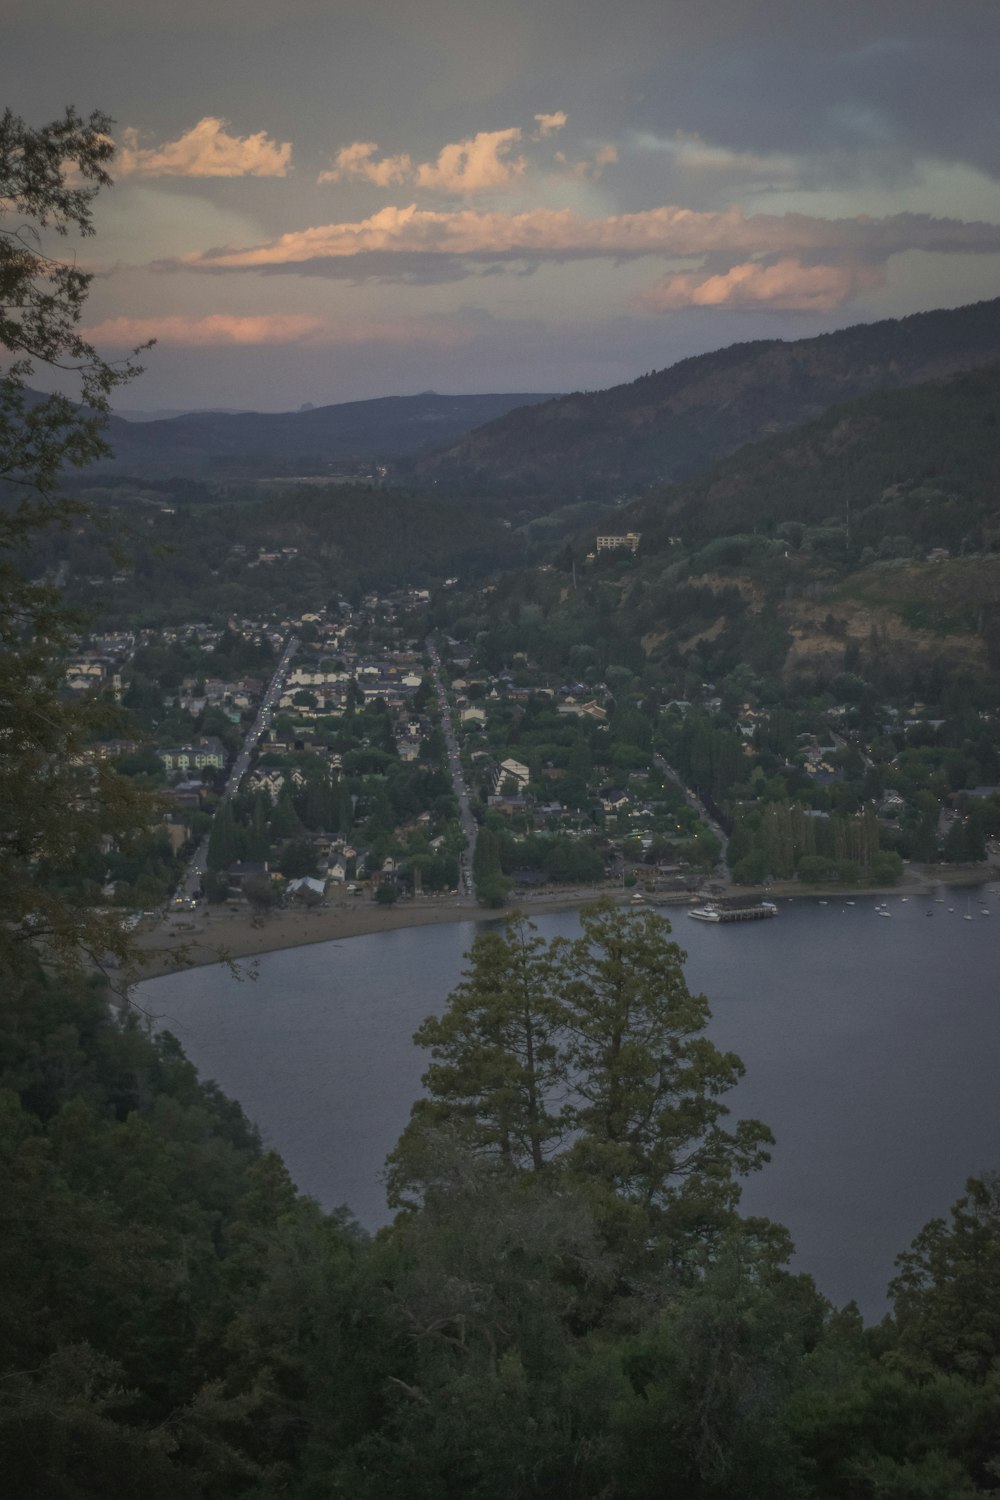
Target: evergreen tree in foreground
57 808
588 1058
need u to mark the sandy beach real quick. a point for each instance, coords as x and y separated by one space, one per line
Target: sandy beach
221 934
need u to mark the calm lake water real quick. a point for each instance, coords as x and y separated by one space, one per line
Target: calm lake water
871 1048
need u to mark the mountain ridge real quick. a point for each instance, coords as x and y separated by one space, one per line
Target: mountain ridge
667 425
382 429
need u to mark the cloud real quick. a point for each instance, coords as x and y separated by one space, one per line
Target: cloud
692 152
478 165
395 241
219 330
211 330
483 163
782 285
360 161
549 123
591 169
206 150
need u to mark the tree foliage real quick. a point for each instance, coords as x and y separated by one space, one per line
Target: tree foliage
59 810
586 1056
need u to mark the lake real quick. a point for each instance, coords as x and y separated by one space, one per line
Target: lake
871 1048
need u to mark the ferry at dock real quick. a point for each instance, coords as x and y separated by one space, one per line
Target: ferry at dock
755 912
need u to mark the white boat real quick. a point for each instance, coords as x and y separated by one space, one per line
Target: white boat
882 911
706 913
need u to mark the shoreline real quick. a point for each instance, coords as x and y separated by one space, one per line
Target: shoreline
231 937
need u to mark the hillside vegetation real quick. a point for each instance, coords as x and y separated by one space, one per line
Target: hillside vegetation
290 548
216 444
879 522
674 422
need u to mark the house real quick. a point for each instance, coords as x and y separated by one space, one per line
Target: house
186 794
208 751
511 770
245 870
511 807
593 710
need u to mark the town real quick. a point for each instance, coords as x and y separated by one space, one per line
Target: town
353 754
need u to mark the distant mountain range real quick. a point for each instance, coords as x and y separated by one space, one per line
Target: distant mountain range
254 444
554 450
673 423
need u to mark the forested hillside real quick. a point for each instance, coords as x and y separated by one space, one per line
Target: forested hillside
670 424
879 523
240 444
289 549
922 463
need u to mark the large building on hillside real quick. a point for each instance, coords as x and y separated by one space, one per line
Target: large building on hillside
630 540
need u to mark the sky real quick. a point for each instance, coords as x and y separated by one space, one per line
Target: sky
330 200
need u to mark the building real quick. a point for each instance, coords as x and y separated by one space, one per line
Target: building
630 541
195 757
511 770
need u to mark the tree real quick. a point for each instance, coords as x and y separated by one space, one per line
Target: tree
59 807
298 858
225 844
586 1055
646 1112
259 894
497 1075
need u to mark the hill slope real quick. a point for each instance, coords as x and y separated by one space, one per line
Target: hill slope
922 464
276 442
674 422
885 511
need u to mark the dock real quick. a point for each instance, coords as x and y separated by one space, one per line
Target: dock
755 911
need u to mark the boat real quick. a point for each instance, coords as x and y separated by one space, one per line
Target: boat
753 913
882 911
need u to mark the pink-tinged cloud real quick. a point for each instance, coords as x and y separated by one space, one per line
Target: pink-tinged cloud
361 161
403 241
547 124
785 284
216 330
206 150
479 165
589 170
212 330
